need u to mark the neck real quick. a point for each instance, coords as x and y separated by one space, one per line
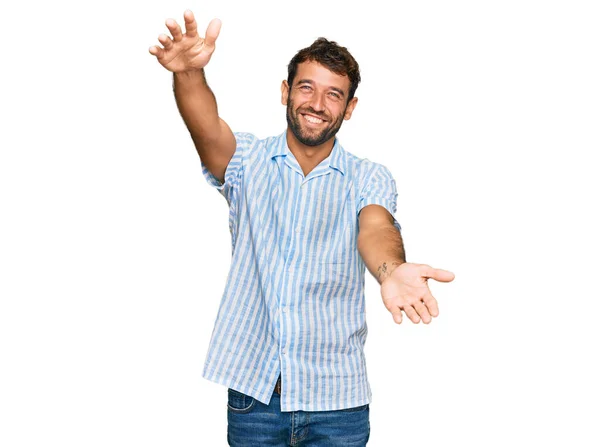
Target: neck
311 152
308 156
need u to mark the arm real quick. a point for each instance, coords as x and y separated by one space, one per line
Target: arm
379 242
403 285
211 135
186 55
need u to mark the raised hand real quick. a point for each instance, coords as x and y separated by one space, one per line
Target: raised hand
406 290
186 52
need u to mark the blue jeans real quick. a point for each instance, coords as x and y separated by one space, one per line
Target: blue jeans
252 423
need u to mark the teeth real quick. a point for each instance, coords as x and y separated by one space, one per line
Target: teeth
313 120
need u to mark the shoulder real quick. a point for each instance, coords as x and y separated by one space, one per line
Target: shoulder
257 149
366 171
245 139
249 139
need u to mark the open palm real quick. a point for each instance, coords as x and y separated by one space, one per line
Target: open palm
406 289
185 52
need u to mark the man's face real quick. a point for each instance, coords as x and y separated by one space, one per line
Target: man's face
317 103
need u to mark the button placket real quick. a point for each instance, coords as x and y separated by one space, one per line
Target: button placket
303 189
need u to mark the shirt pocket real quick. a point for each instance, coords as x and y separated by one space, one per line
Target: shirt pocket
336 248
335 231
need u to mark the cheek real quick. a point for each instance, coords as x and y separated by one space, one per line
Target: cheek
341 113
336 109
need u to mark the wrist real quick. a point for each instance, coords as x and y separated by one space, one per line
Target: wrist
385 270
190 77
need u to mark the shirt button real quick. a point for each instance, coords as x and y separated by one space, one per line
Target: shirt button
284 309
297 229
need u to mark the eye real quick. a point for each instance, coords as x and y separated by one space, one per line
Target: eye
335 95
305 88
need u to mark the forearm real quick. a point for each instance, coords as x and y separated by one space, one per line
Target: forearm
198 107
382 250
213 139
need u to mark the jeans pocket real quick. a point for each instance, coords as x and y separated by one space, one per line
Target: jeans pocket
239 402
356 409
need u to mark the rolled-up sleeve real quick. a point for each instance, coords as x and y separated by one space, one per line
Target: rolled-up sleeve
235 169
379 189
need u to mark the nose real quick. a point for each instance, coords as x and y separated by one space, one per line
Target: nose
318 102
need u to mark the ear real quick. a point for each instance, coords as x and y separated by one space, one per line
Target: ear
350 108
285 91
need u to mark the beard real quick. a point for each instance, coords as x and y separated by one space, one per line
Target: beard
311 137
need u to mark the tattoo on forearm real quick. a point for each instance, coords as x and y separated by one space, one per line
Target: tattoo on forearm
386 244
384 270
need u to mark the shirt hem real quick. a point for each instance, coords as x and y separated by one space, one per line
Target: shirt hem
264 398
327 408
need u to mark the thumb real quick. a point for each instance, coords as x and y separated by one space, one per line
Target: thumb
438 274
212 32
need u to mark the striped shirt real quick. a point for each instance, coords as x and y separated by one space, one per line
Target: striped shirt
294 299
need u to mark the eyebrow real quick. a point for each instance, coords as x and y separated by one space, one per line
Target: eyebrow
309 81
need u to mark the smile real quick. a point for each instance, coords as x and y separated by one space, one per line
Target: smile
312 119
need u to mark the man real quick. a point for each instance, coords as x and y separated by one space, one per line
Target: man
306 217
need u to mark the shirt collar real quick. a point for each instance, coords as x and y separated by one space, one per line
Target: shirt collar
337 157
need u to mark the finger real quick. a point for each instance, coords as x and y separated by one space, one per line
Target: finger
412 314
432 305
438 274
156 51
191 28
423 312
212 32
397 315
166 41
175 30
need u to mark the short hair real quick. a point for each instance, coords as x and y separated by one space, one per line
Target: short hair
332 56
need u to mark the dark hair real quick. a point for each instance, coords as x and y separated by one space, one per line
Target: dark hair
329 54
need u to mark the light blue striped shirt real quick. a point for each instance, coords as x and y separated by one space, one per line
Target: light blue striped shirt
294 299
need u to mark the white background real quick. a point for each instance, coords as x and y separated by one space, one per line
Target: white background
114 250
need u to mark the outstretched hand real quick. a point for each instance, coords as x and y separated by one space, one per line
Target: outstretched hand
406 290
186 52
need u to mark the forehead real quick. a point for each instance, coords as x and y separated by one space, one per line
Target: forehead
321 76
